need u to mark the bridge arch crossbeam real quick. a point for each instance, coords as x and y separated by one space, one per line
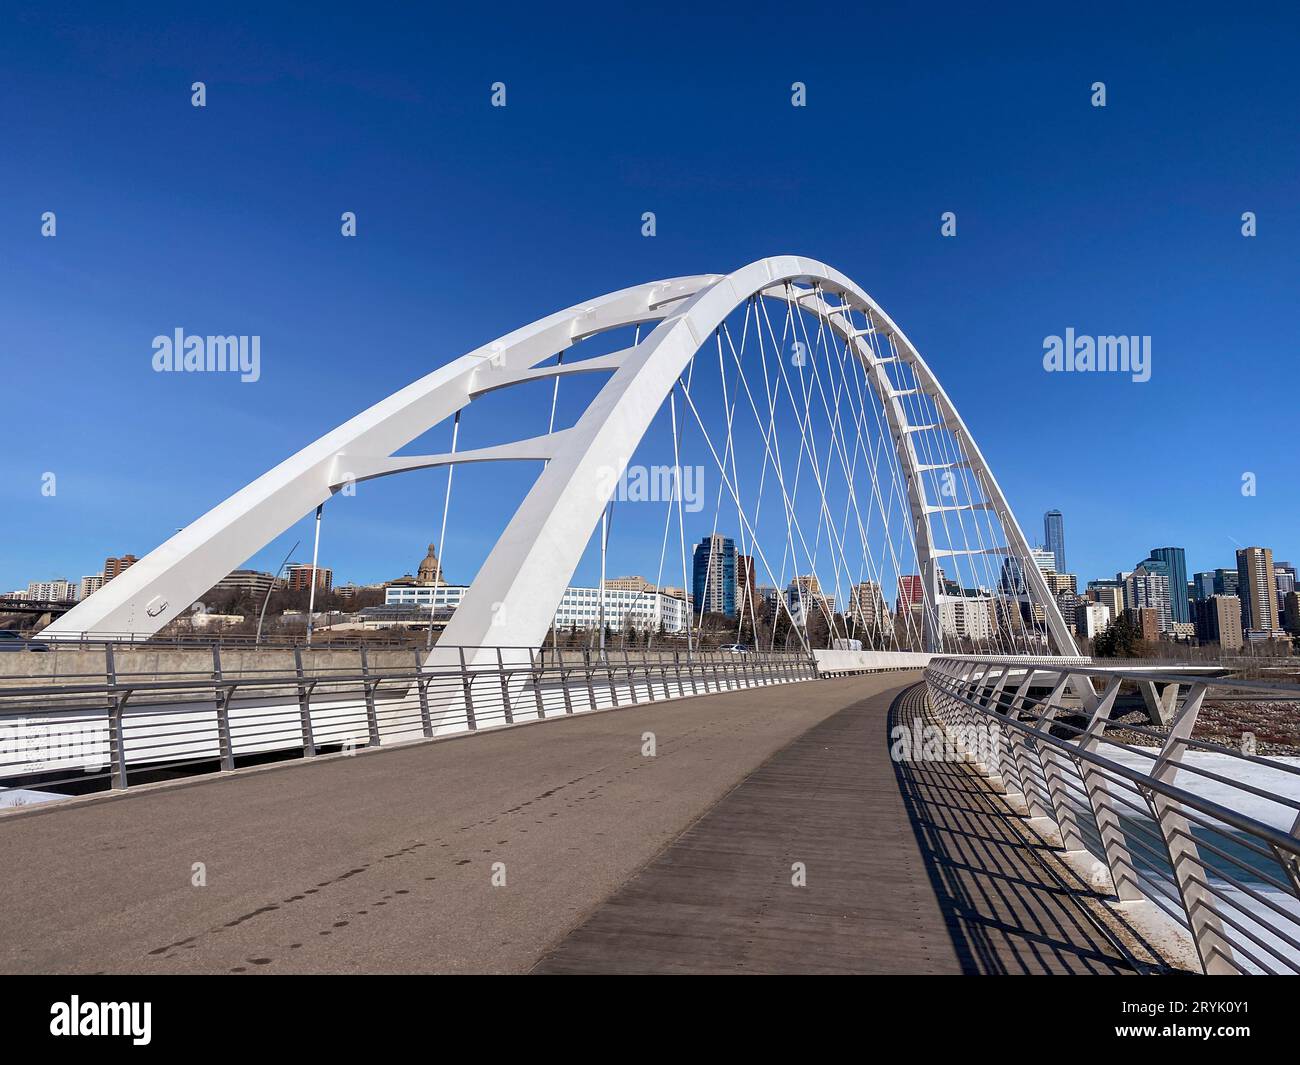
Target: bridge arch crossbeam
162 584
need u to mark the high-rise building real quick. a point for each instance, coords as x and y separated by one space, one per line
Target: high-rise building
1225 582
804 595
1109 594
61 590
746 587
298 577
1218 620
1146 620
1257 588
714 576
1291 613
1147 587
1203 584
867 606
1176 559
115 566
911 591
1091 619
1054 536
91 583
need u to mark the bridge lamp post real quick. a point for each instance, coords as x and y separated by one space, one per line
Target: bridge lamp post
262 615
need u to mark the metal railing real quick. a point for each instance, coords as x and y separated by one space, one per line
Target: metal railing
1209 834
62 739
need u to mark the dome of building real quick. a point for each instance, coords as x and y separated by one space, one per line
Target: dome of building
430 571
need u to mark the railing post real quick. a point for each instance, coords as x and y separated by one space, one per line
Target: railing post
304 707
1123 875
1054 774
467 686
609 675
631 681
539 674
587 667
505 689
372 718
663 672
1199 904
677 669
224 744
564 680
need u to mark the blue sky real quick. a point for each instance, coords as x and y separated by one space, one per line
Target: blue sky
474 220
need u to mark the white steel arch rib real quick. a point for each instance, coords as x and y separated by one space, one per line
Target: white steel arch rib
513 598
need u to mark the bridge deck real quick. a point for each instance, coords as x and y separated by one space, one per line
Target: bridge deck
383 862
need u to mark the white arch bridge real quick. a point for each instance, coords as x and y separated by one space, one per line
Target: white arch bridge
841 470
885 490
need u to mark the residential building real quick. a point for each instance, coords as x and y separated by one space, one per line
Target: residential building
1146 619
714 576
298 577
1109 594
61 590
1148 587
1091 619
746 586
867 606
1257 588
114 566
91 584
1218 620
966 619
911 591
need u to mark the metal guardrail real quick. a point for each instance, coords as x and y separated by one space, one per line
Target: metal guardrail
322 639
1207 833
78 738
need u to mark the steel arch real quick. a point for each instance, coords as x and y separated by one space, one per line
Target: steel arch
513 598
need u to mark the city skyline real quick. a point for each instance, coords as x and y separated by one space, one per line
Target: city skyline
345 321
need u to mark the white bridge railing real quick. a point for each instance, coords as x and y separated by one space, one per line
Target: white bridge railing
1209 834
73 738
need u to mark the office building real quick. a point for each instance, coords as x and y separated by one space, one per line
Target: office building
247 582
1203 585
1054 537
1225 582
1175 558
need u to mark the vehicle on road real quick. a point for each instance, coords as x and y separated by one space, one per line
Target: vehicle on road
13 640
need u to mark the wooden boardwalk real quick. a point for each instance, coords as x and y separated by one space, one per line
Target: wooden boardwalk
910 868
